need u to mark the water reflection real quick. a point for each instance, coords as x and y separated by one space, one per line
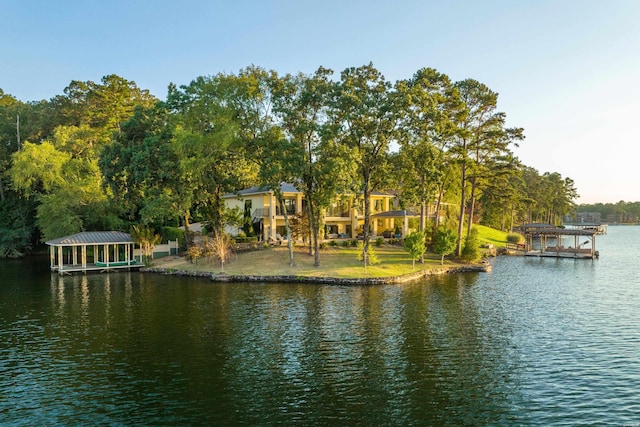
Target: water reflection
478 349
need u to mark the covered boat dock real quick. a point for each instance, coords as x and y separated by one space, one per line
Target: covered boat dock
545 240
92 251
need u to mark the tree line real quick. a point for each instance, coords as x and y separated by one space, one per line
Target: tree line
620 212
109 155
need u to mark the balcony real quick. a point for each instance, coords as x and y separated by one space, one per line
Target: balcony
291 210
261 213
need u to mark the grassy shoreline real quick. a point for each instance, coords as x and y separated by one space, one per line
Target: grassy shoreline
336 263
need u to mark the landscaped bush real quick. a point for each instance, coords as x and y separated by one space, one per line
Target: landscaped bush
354 243
379 241
515 238
346 243
471 248
172 233
245 239
333 243
323 245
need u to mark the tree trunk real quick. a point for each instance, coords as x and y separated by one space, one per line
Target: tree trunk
462 205
367 221
473 204
314 231
513 208
438 203
312 224
287 229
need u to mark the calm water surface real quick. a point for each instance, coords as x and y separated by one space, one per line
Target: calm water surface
534 342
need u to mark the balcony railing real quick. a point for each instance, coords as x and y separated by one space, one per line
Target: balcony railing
291 210
261 213
338 213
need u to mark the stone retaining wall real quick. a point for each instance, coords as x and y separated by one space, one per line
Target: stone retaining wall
223 277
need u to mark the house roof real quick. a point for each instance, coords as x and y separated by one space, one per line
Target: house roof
260 189
556 231
396 214
285 187
92 238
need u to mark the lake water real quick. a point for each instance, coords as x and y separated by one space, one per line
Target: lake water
533 342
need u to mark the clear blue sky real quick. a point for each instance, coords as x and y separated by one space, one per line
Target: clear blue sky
566 71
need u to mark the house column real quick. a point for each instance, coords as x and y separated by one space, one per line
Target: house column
60 262
106 255
298 203
405 225
272 215
52 255
84 257
387 221
75 255
354 219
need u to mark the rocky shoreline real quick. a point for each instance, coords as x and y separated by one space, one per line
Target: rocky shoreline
406 278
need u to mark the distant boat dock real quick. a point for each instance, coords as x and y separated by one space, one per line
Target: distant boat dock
546 240
600 228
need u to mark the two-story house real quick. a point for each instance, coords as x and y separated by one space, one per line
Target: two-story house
344 218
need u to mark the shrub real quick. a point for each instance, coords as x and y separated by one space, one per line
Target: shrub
515 238
414 243
245 239
379 241
323 245
346 243
354 243
333 243
444 242
173 233
193 253
471 248
372 257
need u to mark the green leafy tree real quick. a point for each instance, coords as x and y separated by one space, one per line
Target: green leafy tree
140 167
368 258
302 107
365 119
481 135
276 157
38 168
427 103
212 159
471 249
414 243
147 239
444 242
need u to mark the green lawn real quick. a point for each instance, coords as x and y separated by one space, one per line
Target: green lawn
339 262
488 235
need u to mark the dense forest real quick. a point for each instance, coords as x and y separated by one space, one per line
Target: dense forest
111 156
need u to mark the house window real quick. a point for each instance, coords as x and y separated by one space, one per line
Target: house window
289 205
339 209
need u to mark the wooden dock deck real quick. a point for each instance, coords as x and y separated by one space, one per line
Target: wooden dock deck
92 267
546 240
